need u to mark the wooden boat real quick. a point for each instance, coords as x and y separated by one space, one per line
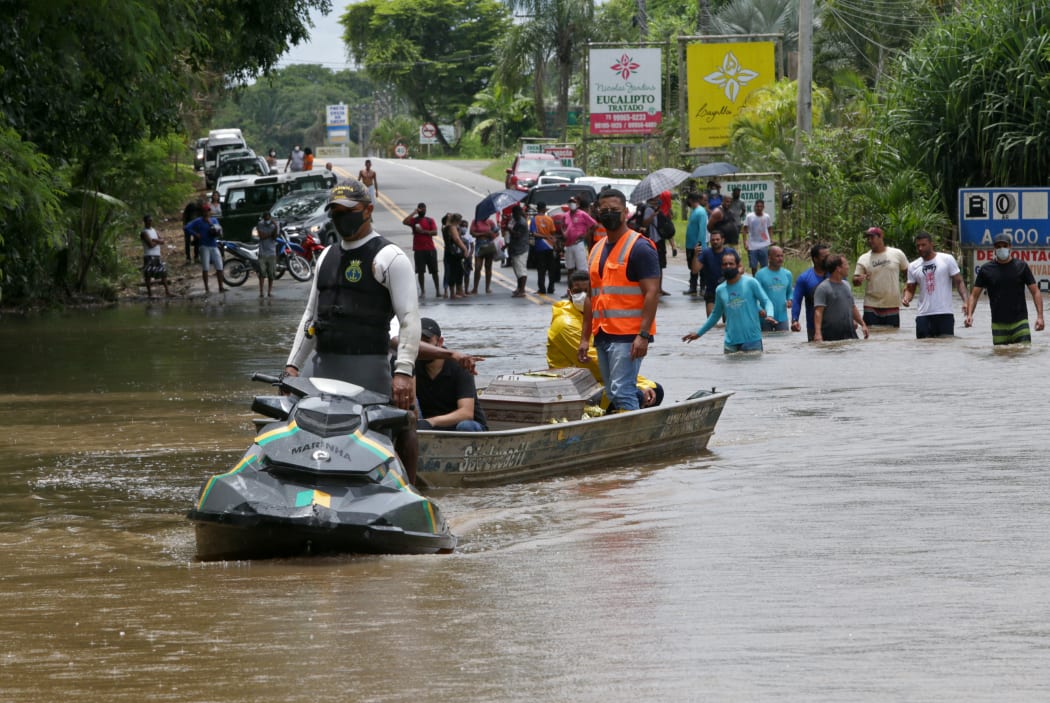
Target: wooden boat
516 450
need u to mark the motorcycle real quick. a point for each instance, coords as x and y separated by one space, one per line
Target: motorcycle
310 246
240 260
322 476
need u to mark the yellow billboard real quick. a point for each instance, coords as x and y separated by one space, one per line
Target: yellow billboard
721 77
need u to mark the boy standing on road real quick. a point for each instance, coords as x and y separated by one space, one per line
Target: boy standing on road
152 265
424 229
267 229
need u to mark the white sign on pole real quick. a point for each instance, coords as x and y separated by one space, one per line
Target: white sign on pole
750 191
338 115
428 133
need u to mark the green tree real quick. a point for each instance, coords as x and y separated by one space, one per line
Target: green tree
437 53
287 106
760 17
82 83
969 103
503 113
562 28
31 217
392 131
866 35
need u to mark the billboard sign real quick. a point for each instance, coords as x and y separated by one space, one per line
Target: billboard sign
625 93
1022 213
721 78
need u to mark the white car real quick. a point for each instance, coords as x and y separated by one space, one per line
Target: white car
624 185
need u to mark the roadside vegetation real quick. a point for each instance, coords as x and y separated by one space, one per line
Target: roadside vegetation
912 100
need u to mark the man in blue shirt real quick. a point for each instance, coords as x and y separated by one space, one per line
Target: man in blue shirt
206 231
804 288
744 304
776 282
695 237
709 267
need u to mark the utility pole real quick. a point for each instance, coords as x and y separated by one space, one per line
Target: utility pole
804 110
703 17
642 19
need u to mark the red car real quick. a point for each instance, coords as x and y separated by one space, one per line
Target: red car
526 170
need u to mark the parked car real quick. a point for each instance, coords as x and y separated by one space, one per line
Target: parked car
219 141
245 202
239 170
525 171
560 174
556 196
303 212
198 154
624 185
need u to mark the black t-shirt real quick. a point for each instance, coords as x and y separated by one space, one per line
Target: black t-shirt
440 395
1006 285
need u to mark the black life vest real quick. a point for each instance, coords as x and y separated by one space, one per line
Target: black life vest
353 308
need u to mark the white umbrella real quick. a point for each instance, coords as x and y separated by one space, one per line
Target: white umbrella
657 182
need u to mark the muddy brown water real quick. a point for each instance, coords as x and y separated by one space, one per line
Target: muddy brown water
870 524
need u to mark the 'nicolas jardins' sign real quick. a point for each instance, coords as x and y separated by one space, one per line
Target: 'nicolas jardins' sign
625 91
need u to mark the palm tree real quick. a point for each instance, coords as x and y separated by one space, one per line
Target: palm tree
503 111
393 130
559 29
760 17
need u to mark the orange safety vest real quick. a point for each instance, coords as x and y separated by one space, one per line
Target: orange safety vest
616 301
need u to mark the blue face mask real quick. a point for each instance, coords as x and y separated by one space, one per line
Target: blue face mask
1002 253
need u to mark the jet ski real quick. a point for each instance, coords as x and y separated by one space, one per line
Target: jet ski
323 477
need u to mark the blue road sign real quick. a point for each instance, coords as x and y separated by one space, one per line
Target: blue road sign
1023 213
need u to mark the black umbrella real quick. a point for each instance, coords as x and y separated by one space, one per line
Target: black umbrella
715 168
497 202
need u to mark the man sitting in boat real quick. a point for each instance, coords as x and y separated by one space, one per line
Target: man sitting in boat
563 340
445 392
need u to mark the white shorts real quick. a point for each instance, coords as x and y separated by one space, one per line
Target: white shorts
576 256
519 262
210 255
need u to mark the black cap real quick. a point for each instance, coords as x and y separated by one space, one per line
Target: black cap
1002 238
429 327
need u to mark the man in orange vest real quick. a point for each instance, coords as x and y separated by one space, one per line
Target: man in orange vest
620 310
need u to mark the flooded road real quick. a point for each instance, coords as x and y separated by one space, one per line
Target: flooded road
870 524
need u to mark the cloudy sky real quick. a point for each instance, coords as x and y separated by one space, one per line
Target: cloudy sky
326 45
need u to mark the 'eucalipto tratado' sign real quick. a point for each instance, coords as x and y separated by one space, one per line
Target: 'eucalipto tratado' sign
625 91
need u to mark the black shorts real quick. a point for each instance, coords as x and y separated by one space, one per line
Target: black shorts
426 261
935 326
709 295
882 318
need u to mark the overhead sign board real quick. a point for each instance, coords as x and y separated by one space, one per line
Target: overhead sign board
721 78
1022 213
625 93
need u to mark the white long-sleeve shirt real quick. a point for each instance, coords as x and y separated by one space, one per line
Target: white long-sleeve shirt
395 272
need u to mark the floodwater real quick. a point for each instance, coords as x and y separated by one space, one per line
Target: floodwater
869 524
